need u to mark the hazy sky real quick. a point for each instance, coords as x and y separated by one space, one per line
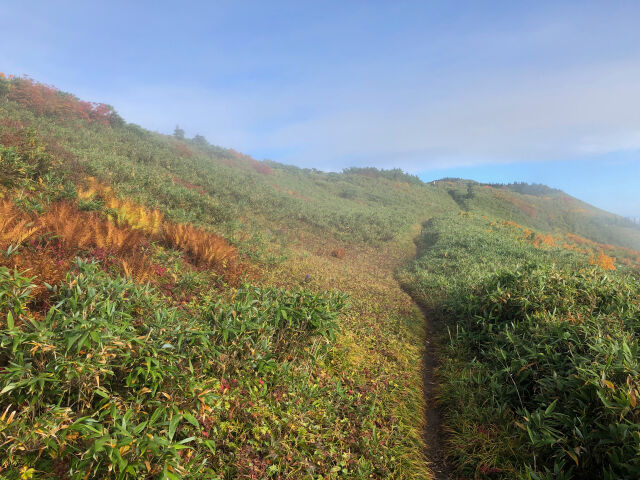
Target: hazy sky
533 91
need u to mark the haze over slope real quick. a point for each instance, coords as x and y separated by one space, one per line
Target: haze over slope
174 309
224 187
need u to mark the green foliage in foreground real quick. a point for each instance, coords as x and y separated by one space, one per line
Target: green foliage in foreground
555 354
540 362
113 380
105 378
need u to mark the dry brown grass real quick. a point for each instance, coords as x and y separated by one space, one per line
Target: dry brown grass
205 249
58 235
63 230
18 228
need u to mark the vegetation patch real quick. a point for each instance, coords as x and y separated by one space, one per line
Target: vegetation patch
540 356
174 309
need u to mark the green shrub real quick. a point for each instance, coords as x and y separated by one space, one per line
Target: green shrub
559 349
540 355
113 380
13 169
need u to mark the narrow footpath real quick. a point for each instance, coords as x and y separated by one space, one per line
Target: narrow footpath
434 434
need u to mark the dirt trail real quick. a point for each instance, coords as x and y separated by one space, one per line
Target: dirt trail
433 432
434 435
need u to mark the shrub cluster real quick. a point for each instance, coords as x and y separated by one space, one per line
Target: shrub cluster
558 350
113 382
540 355
48 100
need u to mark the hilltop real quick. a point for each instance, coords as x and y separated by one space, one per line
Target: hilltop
174 309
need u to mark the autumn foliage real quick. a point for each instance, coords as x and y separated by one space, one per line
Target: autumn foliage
259 167
546 240
338 253
602 254
15 227
123 212
206 249
76 229
48 100
46 244
189 185
182 150
605 261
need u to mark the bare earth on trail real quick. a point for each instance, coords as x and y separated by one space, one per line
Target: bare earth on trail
433 433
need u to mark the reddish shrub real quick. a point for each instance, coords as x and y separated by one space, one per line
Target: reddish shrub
188 185
48 100
182 150
261 167
338 253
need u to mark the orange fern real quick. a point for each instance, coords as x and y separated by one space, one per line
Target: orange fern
206 249
125 212
15 226
82 230
138 267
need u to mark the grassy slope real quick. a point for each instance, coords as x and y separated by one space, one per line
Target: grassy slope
293 226
340 409
539 365
543 209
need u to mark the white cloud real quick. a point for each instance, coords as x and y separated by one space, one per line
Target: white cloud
593 110
557 84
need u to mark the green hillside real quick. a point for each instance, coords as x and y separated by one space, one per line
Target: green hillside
539 351
174 309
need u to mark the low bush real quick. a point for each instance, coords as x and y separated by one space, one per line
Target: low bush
112 381
539 357
557 352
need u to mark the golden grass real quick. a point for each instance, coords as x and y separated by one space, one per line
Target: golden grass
59 234
121 234
204 248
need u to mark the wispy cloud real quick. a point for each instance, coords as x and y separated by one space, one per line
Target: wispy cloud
405 84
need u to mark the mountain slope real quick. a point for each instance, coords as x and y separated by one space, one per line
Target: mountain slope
539 344
235 354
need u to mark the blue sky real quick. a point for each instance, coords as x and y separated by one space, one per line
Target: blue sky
495 91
